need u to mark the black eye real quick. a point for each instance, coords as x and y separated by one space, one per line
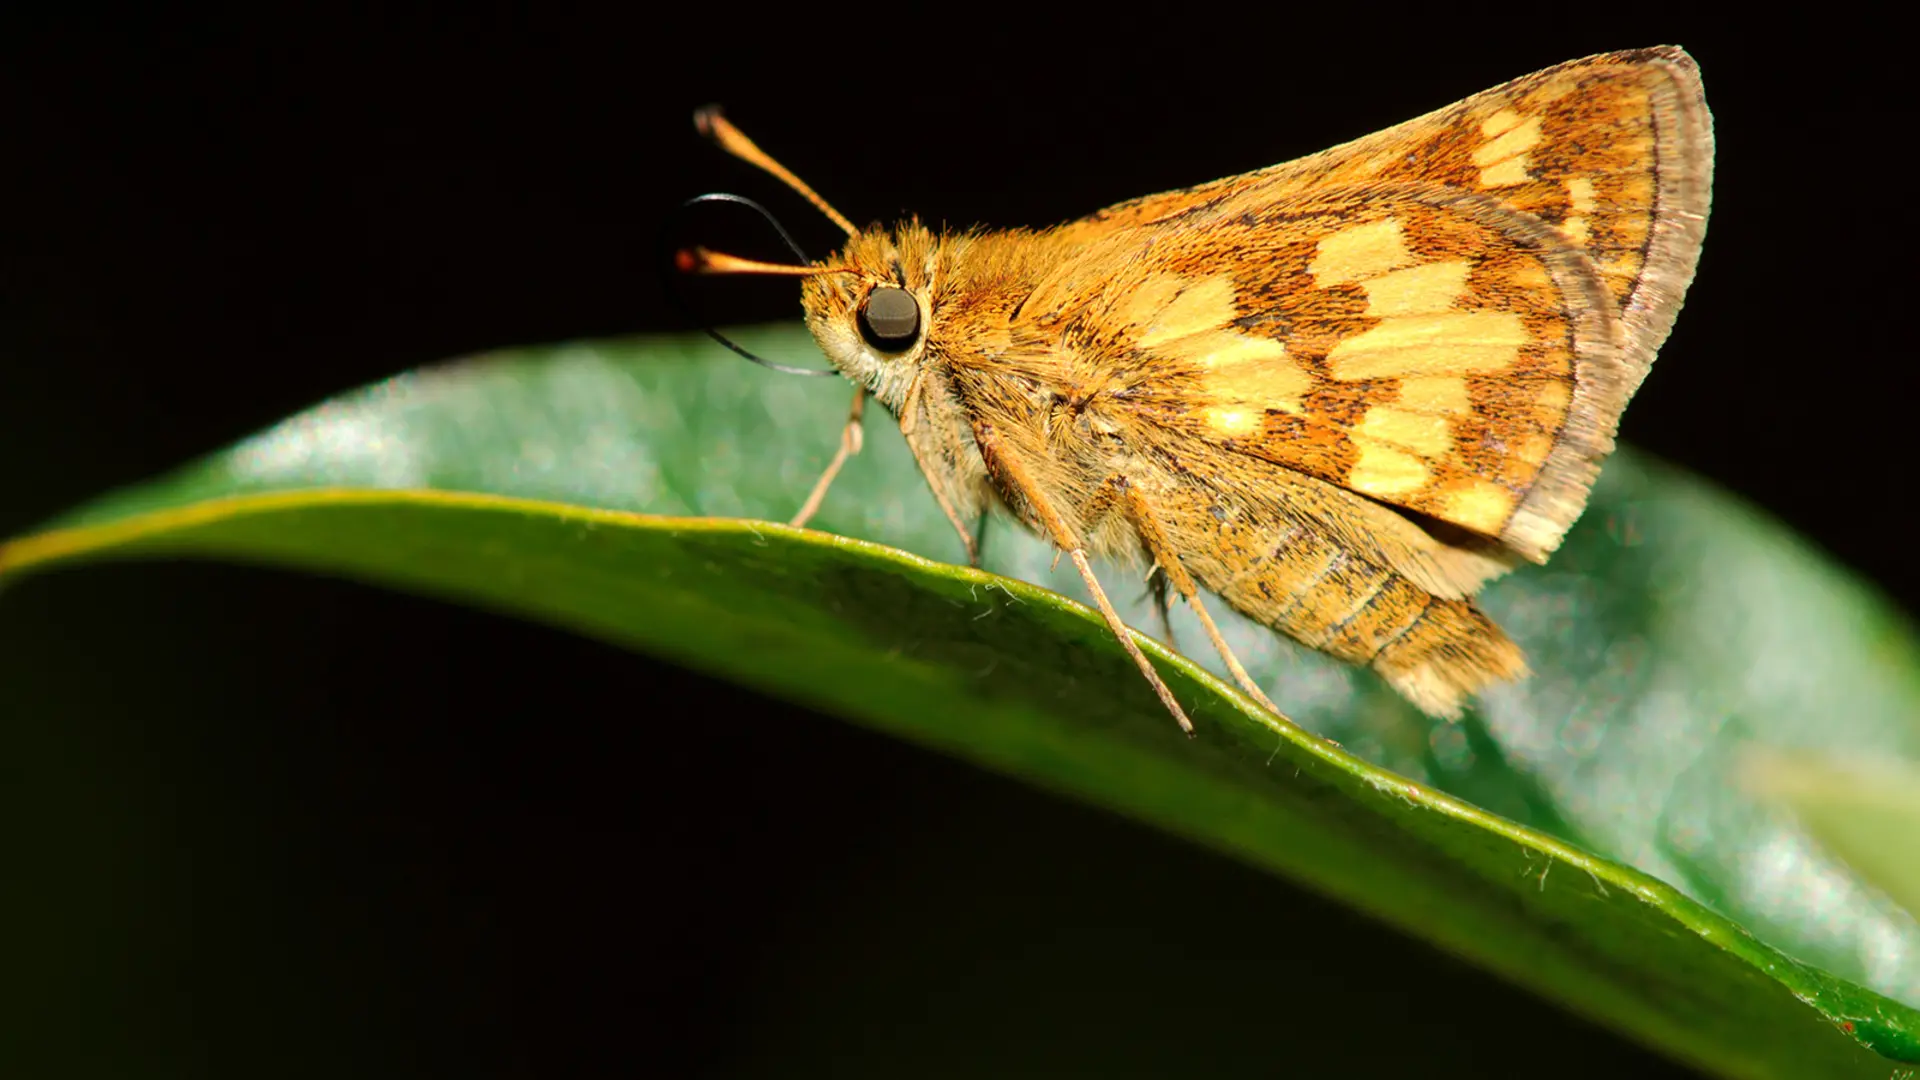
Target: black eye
890 319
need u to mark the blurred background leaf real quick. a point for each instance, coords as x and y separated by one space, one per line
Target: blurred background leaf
1866 810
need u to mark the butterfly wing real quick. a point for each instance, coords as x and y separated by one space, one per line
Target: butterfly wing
1447 316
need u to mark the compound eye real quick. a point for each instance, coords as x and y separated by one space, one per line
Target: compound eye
890 319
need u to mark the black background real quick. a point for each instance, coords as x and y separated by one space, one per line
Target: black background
268 822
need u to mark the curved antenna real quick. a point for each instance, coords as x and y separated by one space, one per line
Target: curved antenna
741 200
700 259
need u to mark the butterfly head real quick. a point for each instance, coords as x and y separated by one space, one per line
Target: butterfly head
870 307
872 312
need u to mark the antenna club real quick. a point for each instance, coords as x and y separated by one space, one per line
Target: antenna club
703 119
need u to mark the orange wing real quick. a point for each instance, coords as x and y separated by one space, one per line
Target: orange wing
1447 316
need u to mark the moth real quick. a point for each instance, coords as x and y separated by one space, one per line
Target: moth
1341 393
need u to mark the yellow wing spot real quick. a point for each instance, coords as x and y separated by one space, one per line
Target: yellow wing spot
1506 174
1360 251
1549 92
1407 346
1385 472
1233 422
1479 505
1184 320
1580 197
1580 194
1417 290
1501 122
1278 384
1423 433
1222 348
1147 300
1503 157
1511 142
1534 449
1439 395
1200 307
1550 405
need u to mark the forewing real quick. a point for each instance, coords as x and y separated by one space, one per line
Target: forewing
1614 150
1447 316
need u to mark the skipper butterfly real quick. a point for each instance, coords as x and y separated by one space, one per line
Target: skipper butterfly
1341 393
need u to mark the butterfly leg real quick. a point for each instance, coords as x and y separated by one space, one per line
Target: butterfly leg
969 538
928 453
1167 559
850 441
1162 605
1014 474
1105 500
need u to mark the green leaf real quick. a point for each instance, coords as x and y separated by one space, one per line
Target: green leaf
1582 833
1867 812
